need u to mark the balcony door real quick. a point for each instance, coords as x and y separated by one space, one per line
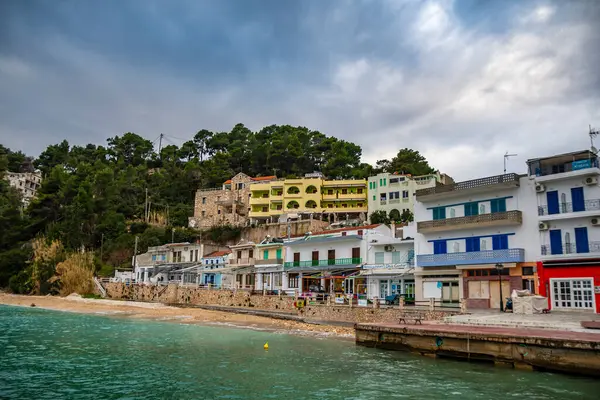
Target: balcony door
296 259
555 241
355 254
577 199
331 257
581 239
315 258
552 198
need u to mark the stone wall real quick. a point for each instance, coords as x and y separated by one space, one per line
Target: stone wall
257 234
173 294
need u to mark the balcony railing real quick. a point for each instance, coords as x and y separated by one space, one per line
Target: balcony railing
241 261
472 257
383 202
323 263
394 201
269 261
563 208
513 217
475 183
571 248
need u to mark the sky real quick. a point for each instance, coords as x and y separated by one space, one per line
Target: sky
462 81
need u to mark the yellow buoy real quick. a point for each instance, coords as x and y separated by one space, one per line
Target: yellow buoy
266 346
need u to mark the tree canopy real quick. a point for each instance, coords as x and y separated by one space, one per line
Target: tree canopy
93 197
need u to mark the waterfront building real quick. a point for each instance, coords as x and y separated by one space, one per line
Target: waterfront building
328 262
474 236
268 264
212 265
394 193
568 216
27 183
241 265
310 197
389 263
228 204
169 263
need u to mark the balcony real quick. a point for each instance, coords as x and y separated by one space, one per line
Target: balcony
323 263
569 250
270 261
473 257
473 186
564 166
565 210
258 214
241 261
259 200
505 218
394 201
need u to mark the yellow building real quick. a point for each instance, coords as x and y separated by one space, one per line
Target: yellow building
339 199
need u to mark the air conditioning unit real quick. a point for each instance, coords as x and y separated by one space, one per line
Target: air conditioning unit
388 248
595 221
591 180
543 226
540 188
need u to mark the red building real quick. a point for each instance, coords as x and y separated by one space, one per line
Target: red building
571 284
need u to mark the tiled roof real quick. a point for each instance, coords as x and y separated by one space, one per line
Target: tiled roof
218 253
227 182
264 178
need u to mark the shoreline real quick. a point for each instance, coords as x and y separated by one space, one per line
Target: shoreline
183 315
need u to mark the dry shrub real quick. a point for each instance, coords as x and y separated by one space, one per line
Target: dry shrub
45 257
75 274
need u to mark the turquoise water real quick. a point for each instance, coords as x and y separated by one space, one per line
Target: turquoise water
55 355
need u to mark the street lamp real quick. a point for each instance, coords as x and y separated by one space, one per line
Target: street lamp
499 268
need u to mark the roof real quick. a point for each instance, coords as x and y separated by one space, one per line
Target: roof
220 253
257 179
350 228
317 239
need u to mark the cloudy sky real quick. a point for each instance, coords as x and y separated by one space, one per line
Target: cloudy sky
461 81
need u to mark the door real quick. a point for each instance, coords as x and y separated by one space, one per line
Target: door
573 293
331 257
296 259
577 199
555 242
552 198
315 258
356 255
383 289
495 293
450 294
581 239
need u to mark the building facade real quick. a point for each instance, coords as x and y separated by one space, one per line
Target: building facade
389 264
212 266
394 193
476 241
311 196
270 255
25 182
241 265
170 263
229 204
568 215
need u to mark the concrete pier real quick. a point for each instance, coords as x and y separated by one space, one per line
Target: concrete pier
541 349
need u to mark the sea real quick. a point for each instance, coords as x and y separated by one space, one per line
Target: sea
62 355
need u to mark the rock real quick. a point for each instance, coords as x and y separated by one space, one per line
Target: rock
32 304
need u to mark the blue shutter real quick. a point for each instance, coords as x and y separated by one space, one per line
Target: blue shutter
555 241
472 244
439 213
471 209
577 199
500 242
581 239
439 247
552 198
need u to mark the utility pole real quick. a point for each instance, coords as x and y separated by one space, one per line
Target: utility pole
173 235
146 207
160 138
135 253
506 156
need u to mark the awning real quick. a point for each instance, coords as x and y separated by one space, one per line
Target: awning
344 274
485 266
269 268
318 268
387 272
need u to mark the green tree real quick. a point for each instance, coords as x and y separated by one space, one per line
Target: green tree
379 217
409 161
407 216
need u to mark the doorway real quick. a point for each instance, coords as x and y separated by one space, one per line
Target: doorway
495 293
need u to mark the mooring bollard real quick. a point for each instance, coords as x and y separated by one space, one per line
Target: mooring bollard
401 303
463 306
431 304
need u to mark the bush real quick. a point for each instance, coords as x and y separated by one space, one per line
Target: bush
20 283
75 274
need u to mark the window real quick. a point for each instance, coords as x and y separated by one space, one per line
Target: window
393 180
573 293
380 181
498 205
191 256
395 257
344 191
154 257
343 233
500 242
405 194
329 205
204 200
456 247
439 213
452 212
359 204
374 197
250 253
203 213
479 289
383 196
329 191
370 185
278 254
379 257
359 190
439 247
360 232
482 209
239 254
219 211
527 271
344 205
293 281
265 254
471 209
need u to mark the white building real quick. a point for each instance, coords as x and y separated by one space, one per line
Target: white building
394 193
241 265
175 262
466 229
212 266
26 182
568 200
389 264
328 262
269 264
